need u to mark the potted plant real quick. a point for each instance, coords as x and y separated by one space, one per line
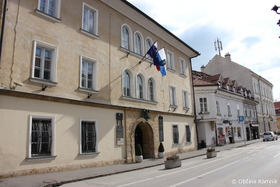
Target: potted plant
138 153
161 150
211 152
172 161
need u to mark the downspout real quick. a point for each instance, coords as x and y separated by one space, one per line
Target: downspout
2 30
194 107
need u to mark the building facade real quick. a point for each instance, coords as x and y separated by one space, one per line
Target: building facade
227 110
73 91
261 89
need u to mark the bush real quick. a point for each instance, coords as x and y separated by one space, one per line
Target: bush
138 150
210 149
161 148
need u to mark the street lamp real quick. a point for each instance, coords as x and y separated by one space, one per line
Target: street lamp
201 114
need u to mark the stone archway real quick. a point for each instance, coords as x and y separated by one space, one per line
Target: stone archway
143 135
147 139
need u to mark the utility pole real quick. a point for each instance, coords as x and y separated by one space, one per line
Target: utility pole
218 45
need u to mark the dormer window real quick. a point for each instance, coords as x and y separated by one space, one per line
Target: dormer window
245 93
227 86
234 89
219 83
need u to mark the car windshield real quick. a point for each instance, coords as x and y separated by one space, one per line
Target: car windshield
267 133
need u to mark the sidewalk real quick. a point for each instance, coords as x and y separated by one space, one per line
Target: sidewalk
59 178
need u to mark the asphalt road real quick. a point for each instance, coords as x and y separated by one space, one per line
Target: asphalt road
254 165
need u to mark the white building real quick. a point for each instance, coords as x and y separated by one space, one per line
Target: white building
261 89
220 102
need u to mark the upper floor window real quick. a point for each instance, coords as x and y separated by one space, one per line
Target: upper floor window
50 7
218 107
140 87
41 136
138 43
151 90
44 62
127 84
90 19
148 46
170 61
182 67
229 109
126 37
88 73
203 105
173 96
185 99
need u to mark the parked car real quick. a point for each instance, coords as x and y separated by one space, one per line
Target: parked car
270 136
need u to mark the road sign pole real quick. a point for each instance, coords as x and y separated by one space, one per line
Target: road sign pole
244 134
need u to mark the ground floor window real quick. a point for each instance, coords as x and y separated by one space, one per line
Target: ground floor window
41 136
239 132
175 134
88 137
188 134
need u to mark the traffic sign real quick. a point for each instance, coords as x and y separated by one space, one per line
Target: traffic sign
240 118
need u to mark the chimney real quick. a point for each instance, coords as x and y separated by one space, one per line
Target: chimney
227 56
202 68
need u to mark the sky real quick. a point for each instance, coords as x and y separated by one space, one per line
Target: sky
247 29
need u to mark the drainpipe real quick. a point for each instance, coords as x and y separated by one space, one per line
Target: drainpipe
194 106
2 29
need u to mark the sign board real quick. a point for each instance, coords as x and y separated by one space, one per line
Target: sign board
240 118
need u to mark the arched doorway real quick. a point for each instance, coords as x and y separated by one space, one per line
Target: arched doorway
144 136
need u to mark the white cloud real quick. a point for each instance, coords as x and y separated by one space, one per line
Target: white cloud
247 29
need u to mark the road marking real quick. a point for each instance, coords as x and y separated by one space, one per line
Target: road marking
276 155
203 174
178 171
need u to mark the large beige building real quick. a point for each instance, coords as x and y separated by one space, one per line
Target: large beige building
261 89
73 93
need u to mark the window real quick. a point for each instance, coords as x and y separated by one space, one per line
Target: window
188 134
88 137
170 61
185 99
88 73
138 43
41 136
50 7
229 109
151 90
140 87
126 84
218 107
173 96
239 132
175 134
148 46
238 111
44 62
90 19
203 105
126 37
182 67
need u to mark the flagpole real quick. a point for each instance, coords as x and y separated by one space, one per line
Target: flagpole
146 53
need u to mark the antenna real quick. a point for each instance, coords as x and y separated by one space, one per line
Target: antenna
218 45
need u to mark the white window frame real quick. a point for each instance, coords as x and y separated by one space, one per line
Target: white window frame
229 109
138 45
96 129
153 89
94 73
183 67
185 100
173 98
52 118
203 104
218 107
53 69
170 61
85 27
130 83
56 16
123 41
143 87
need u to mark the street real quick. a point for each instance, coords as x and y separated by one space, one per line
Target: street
254 165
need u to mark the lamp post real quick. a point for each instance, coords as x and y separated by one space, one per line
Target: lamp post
275 9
